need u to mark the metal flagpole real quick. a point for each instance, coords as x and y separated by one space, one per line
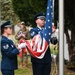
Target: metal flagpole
53 9
0 34
61 36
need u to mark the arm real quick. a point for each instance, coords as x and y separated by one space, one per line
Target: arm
17 37
33 33
9 50
27 35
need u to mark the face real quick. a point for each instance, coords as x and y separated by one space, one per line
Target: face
22 26
8 31
40 22
53 28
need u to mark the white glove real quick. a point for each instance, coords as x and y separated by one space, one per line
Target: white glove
22 45
53 56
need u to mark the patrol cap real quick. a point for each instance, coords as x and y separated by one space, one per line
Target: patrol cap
40 15
22 23
6 24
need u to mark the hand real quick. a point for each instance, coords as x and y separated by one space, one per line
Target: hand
17 47
21 35
22 45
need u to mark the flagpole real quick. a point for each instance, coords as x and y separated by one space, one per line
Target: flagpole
0 33
53 9
61 36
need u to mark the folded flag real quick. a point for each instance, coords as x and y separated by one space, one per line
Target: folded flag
39 44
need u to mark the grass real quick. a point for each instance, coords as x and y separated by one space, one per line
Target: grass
24 70
68 71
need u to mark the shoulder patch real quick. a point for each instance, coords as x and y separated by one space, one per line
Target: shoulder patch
6 46
32 34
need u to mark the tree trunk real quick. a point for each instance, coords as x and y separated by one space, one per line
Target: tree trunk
71 48
69 43
70 24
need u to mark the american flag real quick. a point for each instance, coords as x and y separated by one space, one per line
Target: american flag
39 44
48 25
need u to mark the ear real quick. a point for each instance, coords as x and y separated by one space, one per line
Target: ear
36 21
5 29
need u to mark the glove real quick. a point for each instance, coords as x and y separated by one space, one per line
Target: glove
22 45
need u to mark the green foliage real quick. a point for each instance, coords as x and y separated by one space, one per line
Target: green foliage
38 3
68 14
26 9
7 12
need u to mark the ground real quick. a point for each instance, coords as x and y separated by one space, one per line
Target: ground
68 71
27 70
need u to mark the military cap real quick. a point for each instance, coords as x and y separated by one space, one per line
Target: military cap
40 15
22 23
6 24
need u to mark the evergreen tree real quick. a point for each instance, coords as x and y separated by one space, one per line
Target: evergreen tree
7 12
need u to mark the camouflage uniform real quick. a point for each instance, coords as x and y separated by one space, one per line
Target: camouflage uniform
25 32
26 36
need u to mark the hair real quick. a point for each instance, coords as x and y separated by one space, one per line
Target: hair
2 30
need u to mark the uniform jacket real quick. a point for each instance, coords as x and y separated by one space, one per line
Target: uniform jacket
9 54
47 57
25 32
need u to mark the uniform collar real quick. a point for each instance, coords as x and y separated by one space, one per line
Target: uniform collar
39 27
4 37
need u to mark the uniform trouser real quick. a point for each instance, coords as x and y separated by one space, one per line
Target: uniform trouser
41 68
7 72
